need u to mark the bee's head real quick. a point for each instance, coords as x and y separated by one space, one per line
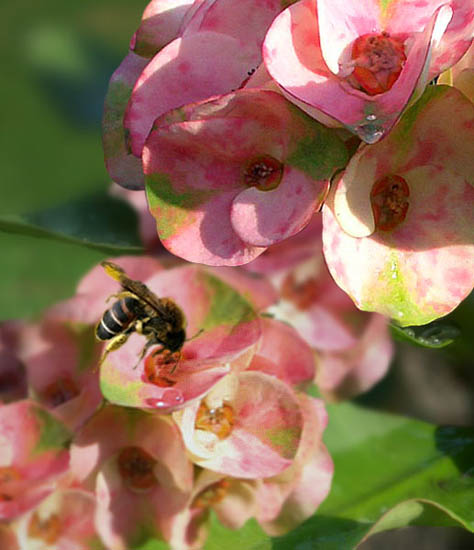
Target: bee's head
175 340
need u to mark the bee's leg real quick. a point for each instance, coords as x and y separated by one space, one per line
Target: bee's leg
150 342
115 343
121 294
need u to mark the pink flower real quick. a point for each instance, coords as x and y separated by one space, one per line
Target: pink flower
248 426
398 232
278 503
59 358
360 63
461 75
137 466
182 52
229 177
353 349
63 521
33 456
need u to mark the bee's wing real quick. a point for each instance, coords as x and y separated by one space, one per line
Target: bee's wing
136 287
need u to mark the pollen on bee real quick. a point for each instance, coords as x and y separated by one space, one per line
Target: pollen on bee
219 420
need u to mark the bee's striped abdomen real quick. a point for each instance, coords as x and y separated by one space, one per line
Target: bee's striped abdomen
118 318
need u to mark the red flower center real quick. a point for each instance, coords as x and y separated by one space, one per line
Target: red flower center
160 368
211 495
59 392
8 474
378 60
136 468
301 294
263 172
218 421
389 199
46 529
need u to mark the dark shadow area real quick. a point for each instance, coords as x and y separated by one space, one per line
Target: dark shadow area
420 538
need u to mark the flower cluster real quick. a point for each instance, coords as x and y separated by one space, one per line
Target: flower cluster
241 129
145 448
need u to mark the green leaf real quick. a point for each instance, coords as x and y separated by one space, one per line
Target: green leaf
390 472
437 334
98 221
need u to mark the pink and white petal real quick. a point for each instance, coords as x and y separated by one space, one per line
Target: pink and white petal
341 22
283 353
306 483
160 24
407 17
73 510
237 506
342 375
258 218
442 112
123 167
122 515
181 73
160 437
264 437
293 57
33 453
422 269
311 489
291 252
232 19
199 233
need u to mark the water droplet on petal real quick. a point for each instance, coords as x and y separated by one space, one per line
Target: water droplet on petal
172 397
370 133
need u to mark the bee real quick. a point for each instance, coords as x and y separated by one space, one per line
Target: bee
138 309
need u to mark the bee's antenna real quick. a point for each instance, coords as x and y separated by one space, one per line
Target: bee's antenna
200 331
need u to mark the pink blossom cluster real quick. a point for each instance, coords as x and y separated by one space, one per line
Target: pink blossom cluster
111 456
244 120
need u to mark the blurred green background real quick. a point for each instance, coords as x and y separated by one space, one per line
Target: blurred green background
57 58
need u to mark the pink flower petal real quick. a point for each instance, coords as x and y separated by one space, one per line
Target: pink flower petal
258 217
341 22
180 74
33 456
283 353
341 375
123 167
293 57
421 269
264 437
161 23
